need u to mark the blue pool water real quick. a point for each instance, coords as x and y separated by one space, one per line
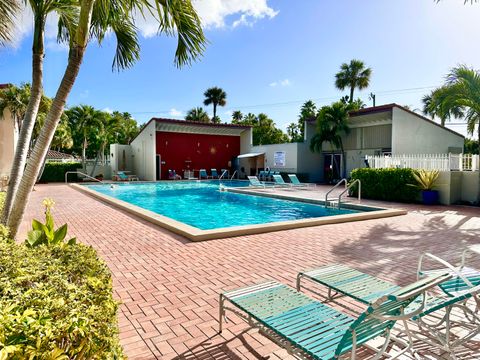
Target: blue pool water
202 205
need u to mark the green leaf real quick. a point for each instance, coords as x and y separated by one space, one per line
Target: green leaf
72 241
35 238
37 225
60 234
49 221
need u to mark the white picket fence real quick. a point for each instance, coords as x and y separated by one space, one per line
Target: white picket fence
441 162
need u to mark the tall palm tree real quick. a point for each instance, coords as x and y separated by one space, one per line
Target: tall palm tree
86 119
354 76
15 99
67 13
96 18
9 10
332 125
459 97
215 96
197 114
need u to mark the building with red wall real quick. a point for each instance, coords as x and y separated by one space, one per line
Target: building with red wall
185 146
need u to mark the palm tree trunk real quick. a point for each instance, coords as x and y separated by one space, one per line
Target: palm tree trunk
478 165
344 161
84 154
214 110
45 138
352 89
26 130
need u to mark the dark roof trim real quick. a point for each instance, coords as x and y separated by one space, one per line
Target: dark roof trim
185 122
389 107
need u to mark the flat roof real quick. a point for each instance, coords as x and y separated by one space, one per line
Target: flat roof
187 122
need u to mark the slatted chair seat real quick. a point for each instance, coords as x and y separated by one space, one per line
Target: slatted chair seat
314 330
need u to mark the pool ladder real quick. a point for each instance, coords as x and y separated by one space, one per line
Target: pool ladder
338 201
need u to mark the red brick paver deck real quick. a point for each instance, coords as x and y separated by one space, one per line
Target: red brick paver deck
169 286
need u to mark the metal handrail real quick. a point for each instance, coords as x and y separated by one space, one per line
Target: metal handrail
333 188
348 187
81 173
233 175
223 173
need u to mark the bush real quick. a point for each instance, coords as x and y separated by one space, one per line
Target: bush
56 303
55 171
386 184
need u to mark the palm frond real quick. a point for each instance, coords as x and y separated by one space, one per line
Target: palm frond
9 10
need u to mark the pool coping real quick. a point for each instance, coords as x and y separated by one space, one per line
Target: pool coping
196 234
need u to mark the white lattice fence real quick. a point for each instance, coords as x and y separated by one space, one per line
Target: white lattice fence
441 162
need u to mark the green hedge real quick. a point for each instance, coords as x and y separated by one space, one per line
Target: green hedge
55 171
56 303
386 184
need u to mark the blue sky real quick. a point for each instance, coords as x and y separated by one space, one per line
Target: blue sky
271 56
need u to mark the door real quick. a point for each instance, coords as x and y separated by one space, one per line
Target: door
332 168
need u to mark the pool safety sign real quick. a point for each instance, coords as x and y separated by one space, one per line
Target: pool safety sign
279 159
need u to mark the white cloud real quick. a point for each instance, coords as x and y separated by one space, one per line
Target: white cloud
284 82
175 112
108 110
213 13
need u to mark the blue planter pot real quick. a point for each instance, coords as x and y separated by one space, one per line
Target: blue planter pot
430 197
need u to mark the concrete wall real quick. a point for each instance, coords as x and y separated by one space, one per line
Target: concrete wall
121 157
144 152
414 135
8 142
291 156
246 141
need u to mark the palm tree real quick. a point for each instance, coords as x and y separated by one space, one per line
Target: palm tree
9 10
66 11
86 119
197 114
96 18
237 117
15 99
215 96
332 125
354 76
459 97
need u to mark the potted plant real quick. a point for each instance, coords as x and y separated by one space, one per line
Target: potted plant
426 181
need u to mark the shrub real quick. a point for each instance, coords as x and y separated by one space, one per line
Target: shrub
56 303
386 184
55 171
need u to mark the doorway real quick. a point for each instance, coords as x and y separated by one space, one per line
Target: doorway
158 167
332 168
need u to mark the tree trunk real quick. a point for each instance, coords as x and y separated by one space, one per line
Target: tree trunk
214 110
344 161
352 89
478 165
45 138
26 130
84 154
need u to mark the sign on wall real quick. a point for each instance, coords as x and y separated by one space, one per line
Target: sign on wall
279 159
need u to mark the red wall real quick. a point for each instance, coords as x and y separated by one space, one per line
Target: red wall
203 152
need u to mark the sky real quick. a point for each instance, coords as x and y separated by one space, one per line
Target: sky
269 56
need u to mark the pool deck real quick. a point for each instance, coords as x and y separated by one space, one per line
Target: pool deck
169 285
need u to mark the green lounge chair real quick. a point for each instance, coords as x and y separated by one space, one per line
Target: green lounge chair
310 329
255 182
214 173
278 181
202 174
124 177
365 288
294 180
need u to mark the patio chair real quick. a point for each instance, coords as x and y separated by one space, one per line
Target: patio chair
255 182
278 181
262 175
121 176
341 279
310 329
202 174
294 180
214 173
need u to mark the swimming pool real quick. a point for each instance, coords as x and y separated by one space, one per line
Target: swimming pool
199 211
201 204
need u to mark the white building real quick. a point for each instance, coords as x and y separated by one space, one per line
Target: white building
386 129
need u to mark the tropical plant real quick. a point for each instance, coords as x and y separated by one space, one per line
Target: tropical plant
96 18
332 126
308 112
9 10
128 125
265 132
459 97
67 12
353 76
237 117
426 179
45 234
471 147
197 114
294 133
15 99
85 119
215 96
